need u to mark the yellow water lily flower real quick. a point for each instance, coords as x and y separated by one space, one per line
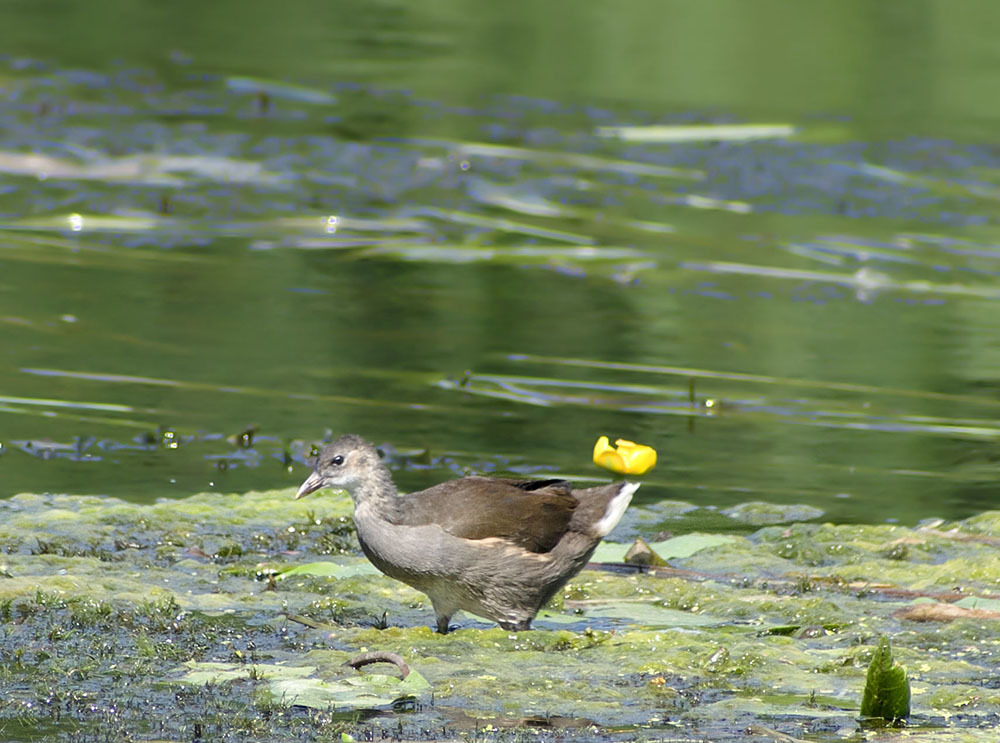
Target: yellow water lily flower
629 458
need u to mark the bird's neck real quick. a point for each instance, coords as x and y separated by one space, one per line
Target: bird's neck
377 492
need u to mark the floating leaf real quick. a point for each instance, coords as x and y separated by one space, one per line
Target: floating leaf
759 513
675 548
648 615
552 158
279 89
294 685
360 692
978 602
698 132
209 672
330 570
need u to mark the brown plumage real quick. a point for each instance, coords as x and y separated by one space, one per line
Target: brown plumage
499 548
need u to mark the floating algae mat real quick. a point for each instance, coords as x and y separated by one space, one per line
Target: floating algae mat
232 616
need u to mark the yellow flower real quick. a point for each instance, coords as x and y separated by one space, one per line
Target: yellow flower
629 458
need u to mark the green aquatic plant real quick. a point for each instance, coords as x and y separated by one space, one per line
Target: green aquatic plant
887 688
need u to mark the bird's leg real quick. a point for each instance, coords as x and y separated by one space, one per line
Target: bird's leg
442 621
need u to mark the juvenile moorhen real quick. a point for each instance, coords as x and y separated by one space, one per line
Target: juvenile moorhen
498 548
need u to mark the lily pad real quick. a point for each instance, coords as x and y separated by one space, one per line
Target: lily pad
361 692
295 684
979 602
651 615
674 548
760 513
209 672
330 570
555 617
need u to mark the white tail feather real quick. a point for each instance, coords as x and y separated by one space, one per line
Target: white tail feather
616 507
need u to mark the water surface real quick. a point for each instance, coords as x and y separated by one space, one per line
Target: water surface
761 239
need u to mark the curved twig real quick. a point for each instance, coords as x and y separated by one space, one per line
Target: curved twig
379 656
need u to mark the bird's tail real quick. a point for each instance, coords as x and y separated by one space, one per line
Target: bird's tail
614 510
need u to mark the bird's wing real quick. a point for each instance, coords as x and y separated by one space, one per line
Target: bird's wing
533 514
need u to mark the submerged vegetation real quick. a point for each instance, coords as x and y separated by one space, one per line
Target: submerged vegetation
232 617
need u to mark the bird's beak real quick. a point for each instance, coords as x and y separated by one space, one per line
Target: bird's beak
313 483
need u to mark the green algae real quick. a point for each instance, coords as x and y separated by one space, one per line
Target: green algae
111 605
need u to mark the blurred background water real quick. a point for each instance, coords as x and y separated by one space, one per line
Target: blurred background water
759 237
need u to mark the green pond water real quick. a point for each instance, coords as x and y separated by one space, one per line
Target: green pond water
460 233
760 237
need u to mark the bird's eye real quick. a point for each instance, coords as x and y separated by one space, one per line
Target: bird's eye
337 460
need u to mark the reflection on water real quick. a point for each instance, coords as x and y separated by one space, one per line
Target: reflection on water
453 239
